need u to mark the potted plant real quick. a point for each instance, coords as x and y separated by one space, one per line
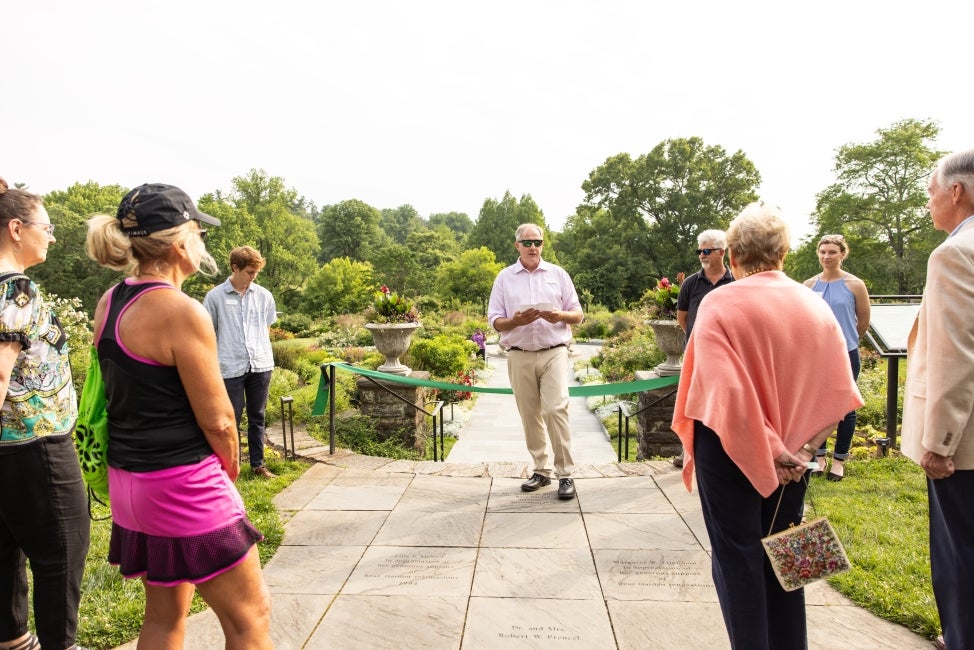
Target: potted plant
392 319
661 309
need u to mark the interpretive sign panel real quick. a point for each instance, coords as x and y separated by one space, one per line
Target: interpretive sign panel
889 327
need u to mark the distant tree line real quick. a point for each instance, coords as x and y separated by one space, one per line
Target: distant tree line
638 222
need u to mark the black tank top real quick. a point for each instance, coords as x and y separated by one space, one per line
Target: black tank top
151 425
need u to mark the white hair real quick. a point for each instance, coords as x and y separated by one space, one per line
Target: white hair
717 237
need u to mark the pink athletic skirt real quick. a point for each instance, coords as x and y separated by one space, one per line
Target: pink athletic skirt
183 524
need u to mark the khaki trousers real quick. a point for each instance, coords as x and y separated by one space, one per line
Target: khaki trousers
540 384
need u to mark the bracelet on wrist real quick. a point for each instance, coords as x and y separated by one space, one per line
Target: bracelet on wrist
810 449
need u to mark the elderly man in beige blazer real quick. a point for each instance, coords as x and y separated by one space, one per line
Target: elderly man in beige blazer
938 407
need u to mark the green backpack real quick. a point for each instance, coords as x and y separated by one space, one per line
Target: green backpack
91 432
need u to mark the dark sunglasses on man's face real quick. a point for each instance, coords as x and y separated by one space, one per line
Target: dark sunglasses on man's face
708 251
537 243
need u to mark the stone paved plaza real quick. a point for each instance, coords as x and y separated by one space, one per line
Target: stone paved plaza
402 554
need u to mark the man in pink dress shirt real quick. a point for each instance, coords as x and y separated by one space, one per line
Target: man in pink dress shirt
533 305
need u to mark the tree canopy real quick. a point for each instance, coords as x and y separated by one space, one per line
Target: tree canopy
638 222
261 211
340 286
641 217
470 278
878 202
498 221
69 272
349 229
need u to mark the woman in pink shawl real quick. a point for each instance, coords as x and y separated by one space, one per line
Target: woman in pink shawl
765 379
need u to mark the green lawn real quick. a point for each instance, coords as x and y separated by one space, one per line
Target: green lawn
112 607
880 513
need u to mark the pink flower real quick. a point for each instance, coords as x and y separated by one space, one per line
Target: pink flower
384 289
664 283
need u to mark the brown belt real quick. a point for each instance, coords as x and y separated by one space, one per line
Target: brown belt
550 347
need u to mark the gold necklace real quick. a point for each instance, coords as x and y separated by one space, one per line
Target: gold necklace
162 278
750 273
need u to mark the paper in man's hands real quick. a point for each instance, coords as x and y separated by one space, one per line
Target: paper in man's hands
540 306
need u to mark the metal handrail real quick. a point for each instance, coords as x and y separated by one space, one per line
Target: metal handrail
285 424
896 298
624 413
437 410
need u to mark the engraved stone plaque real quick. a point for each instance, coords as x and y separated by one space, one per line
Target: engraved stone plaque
681 576
400 570
537 623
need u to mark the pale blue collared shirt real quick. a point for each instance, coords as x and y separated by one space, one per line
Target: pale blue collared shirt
243 342
959 226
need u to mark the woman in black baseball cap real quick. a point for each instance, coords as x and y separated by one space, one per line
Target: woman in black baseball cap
177 518
153 207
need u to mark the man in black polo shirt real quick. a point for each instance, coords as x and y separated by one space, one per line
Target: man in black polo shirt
712 274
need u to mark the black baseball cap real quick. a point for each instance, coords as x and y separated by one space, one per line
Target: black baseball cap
153 207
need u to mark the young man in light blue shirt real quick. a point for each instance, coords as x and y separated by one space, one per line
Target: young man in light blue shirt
242 314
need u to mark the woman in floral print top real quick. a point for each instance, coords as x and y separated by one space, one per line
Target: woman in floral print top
43 509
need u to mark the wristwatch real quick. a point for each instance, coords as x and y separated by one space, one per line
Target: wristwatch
810 449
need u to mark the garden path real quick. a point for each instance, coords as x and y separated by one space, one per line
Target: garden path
493 432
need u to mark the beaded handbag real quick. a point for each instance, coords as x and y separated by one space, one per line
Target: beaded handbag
805 553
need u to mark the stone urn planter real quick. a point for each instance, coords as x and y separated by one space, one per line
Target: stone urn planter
392 340
672 341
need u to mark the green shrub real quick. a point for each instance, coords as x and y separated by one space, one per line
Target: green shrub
298 324
602 324
357 432
620 323
594 326
286 355
340 331
444 355
278 334
308 370
283 382
622 355
872 385
77 326
304 400
354 354
373 359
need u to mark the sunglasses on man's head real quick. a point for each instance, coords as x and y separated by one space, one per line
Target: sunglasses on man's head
537 243
707 251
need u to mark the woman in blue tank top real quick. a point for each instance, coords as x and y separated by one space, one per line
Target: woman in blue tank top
849 300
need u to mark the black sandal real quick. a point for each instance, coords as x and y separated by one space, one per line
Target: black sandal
818 472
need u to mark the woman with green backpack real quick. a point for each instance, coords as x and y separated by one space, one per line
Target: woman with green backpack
178 522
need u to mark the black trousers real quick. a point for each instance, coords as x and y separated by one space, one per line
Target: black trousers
758 613
952 555
44 518
251 390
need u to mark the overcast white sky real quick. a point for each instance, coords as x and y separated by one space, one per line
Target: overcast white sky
444 104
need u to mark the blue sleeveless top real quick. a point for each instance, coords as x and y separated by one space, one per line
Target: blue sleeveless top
843 304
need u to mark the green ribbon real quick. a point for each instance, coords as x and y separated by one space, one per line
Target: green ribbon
586 390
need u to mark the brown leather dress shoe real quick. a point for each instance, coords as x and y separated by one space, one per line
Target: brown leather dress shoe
263 472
